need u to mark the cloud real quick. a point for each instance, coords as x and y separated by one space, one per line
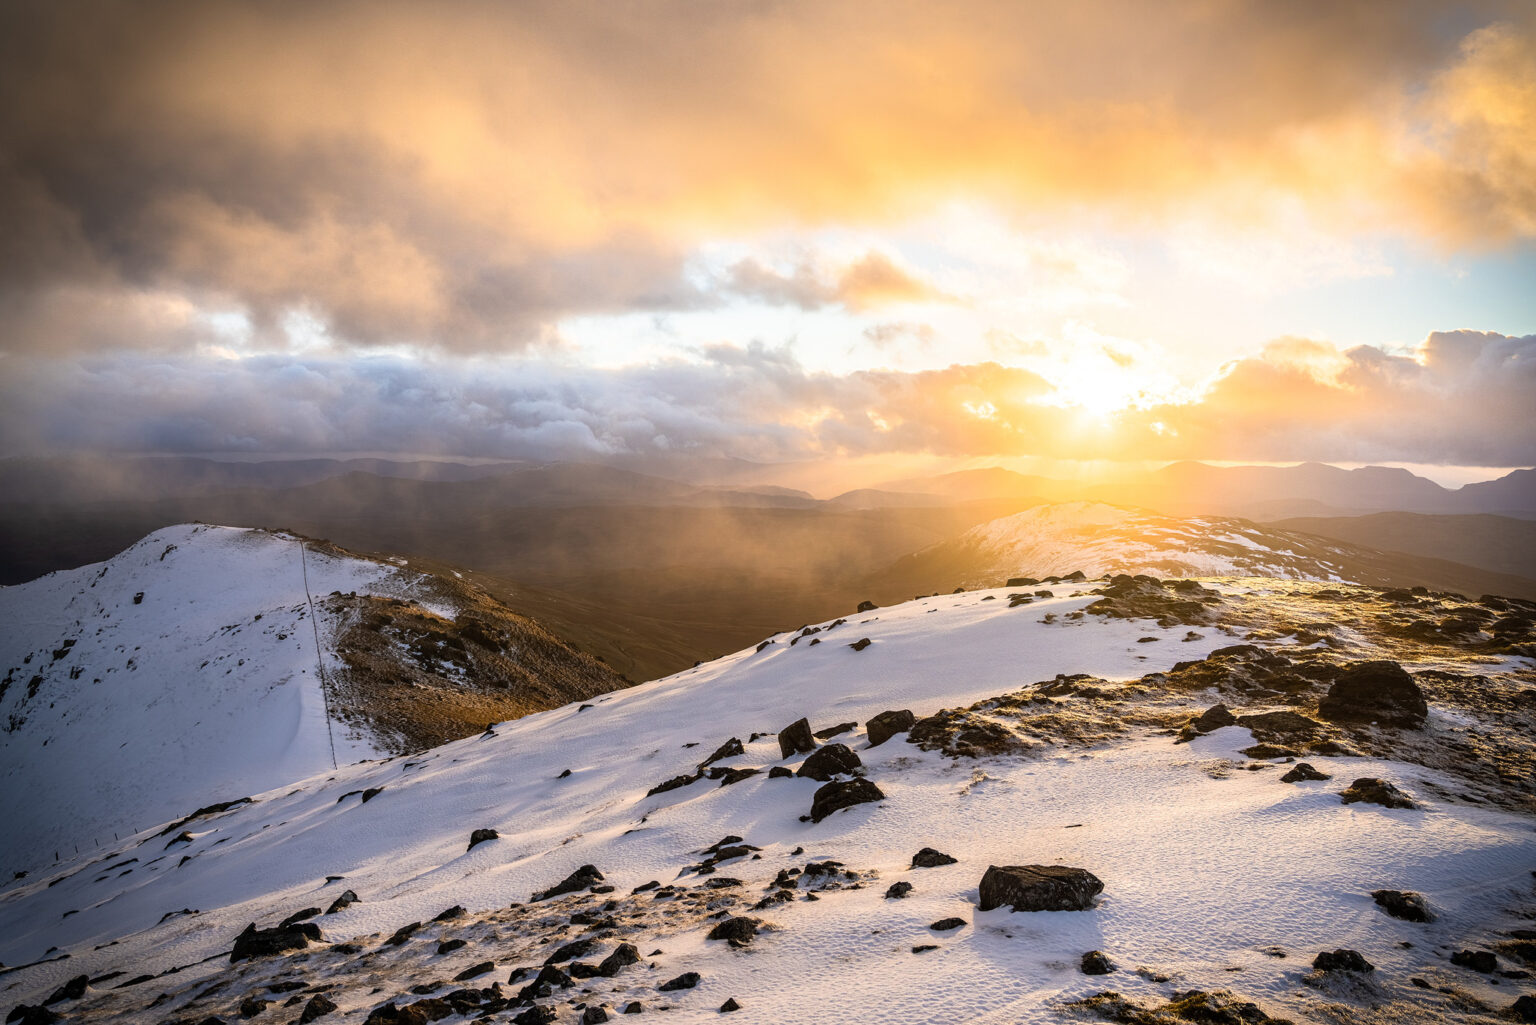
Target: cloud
462 175
1461 398
871 281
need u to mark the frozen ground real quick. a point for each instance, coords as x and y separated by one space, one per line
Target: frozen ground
1216 874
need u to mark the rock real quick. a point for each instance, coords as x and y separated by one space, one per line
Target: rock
31 1014
1214 718
1369 790
1478 960
930 858
829 761
867 606
832 731
673 784
887 724
254 942
1379 691
449 946
898 890
580 879
729 1006
1303 771
475 971
371 793
923 948
538 1014
1342 961
593 1014
1403 904
946 924
480 836
1524 1008
298 916
1096 963
739 932
730 749
687 980
959 734
549 979
74 989
347 897
860 644
634 1007
841 794
250 1007
780 772
796 739
624 954
1039 888
450 914
571 951
1278 723
318 1007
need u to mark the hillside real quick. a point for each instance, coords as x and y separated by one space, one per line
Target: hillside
1075 731
1097 538
184 671
1499 543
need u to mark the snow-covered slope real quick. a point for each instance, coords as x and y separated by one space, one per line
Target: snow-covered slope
185 671
1217 875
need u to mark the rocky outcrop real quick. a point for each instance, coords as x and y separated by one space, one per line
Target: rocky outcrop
254 942
1379 691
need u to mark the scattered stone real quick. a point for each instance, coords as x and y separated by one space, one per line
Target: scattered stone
867 606
1524 1008
1039 888
255 942
1478 960
371 793
571 951
1279 723
480 836
737 775
687 980
634 1007
887 724
538 1014
402 934
1214 718
1342 960
594 1014
624 955
739 931
298 916
829 761
959 733
318 1007
674 783
31 1014
1096 963
450 914
250 1007
841 794
729 1006
730 749
347 897
475 971
930 858
1379 691
780 772
1369 790
860 644
833 731
580 879
74 989
796 739
946 924
923 948
898 890
449 946
1403 904
1303 771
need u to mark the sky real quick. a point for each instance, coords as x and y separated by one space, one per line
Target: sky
1053 235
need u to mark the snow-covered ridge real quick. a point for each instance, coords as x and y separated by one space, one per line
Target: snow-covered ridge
1056 539
1208 870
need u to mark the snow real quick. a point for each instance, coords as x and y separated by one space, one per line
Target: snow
1201 873
205 690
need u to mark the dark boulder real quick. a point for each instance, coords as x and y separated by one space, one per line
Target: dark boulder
1303 771
780 772
687 980
739 931
580 879
841 794
1403 904
449 946
860 644
571 951
887 724
549 979
1281 724
1482 961
1342 961
729 1006
594 1014
624 955
1096 963
74 989
829 761
930 858
254 942
1214 718
796 739
867 606
898 890
475 971
538 1014
676 782
730 749
1039 888
318 1007
347 897
1524 1008
480 836
1369 790
1379 691
250 1007
946 924
31 1014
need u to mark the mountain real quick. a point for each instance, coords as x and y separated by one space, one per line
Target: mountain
1098 539
1514 494
1499 543
986 482
1079 734
185 671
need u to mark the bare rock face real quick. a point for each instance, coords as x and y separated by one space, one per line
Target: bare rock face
887 724
796 739
843 794
1039 888
1380 691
